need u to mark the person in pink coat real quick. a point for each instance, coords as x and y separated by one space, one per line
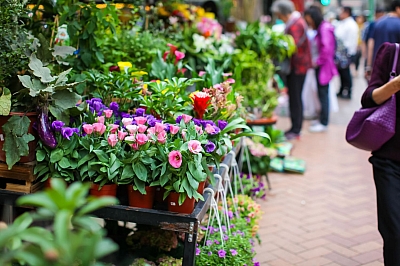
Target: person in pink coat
323 53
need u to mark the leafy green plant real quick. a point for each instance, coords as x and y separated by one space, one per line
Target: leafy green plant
72 230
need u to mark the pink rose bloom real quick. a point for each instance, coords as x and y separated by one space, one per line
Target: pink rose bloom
199 129
100 119
162 137
135 146
141 139
226 74
217 86
88 128
130 139
132 129
202 73
108 113
99 128
112 139
175 159
140 120
159 127
127 121
151 131
173 129
194 146
230 80
122 135
186 118
113 128
179 55
142 128
210 129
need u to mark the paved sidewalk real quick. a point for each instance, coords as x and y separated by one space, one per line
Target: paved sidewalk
328 215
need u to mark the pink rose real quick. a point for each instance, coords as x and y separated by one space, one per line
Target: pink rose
199 129
99 128
142 128
122 135
175 159
108 113
113 128
151 131
230 80
210 129
112 139
173 129
140 120
159 127
179 56
226 74
127 121
132 129
88 128
162 137
186 118
130 139
202 73
100 119
141 139
194 146
135 146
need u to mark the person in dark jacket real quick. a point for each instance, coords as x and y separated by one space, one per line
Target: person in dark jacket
300 61
322 52
386 160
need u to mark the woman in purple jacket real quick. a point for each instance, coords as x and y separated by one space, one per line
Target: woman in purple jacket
386 160
323 52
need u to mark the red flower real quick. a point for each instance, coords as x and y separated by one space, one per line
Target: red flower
201 101
172 49
182 70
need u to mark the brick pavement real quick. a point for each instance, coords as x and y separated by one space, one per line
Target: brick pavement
328 215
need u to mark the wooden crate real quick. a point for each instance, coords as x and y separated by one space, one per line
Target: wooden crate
20 178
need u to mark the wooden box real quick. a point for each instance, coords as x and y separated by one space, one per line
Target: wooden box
20 178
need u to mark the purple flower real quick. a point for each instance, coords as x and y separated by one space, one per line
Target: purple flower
209 253
223 228
247 219
217 130
196 121
167 127
140 111
67 132
197 251
152 121
233 252
57 125
205 122
114 106
256 264
209 242
178 119
252 250
232 226
97 100
97 106
226 237
209 147
230 215
221 253
125 115
222 124
216 242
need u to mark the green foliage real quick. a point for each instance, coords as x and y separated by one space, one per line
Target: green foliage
13 40
16 139
72 230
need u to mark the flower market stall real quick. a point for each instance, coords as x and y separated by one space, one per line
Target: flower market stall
136 114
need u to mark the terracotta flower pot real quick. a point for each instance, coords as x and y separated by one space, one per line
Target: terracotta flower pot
137 199
106 190
200 189
32 145
173 204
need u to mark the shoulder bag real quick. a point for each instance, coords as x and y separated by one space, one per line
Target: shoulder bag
370 128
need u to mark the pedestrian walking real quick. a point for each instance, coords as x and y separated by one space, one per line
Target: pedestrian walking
346 32
387 29
386 160
300 61
322 51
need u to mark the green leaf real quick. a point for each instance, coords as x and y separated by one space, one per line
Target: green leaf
140 171
5 102
63 51
101 155
61 225
85 159
56 155
164 179
64 163
40 155
96 204
63 77
39 71
27 83
140 185
127 172
65 99
193 182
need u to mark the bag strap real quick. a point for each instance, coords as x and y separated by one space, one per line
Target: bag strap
396 56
